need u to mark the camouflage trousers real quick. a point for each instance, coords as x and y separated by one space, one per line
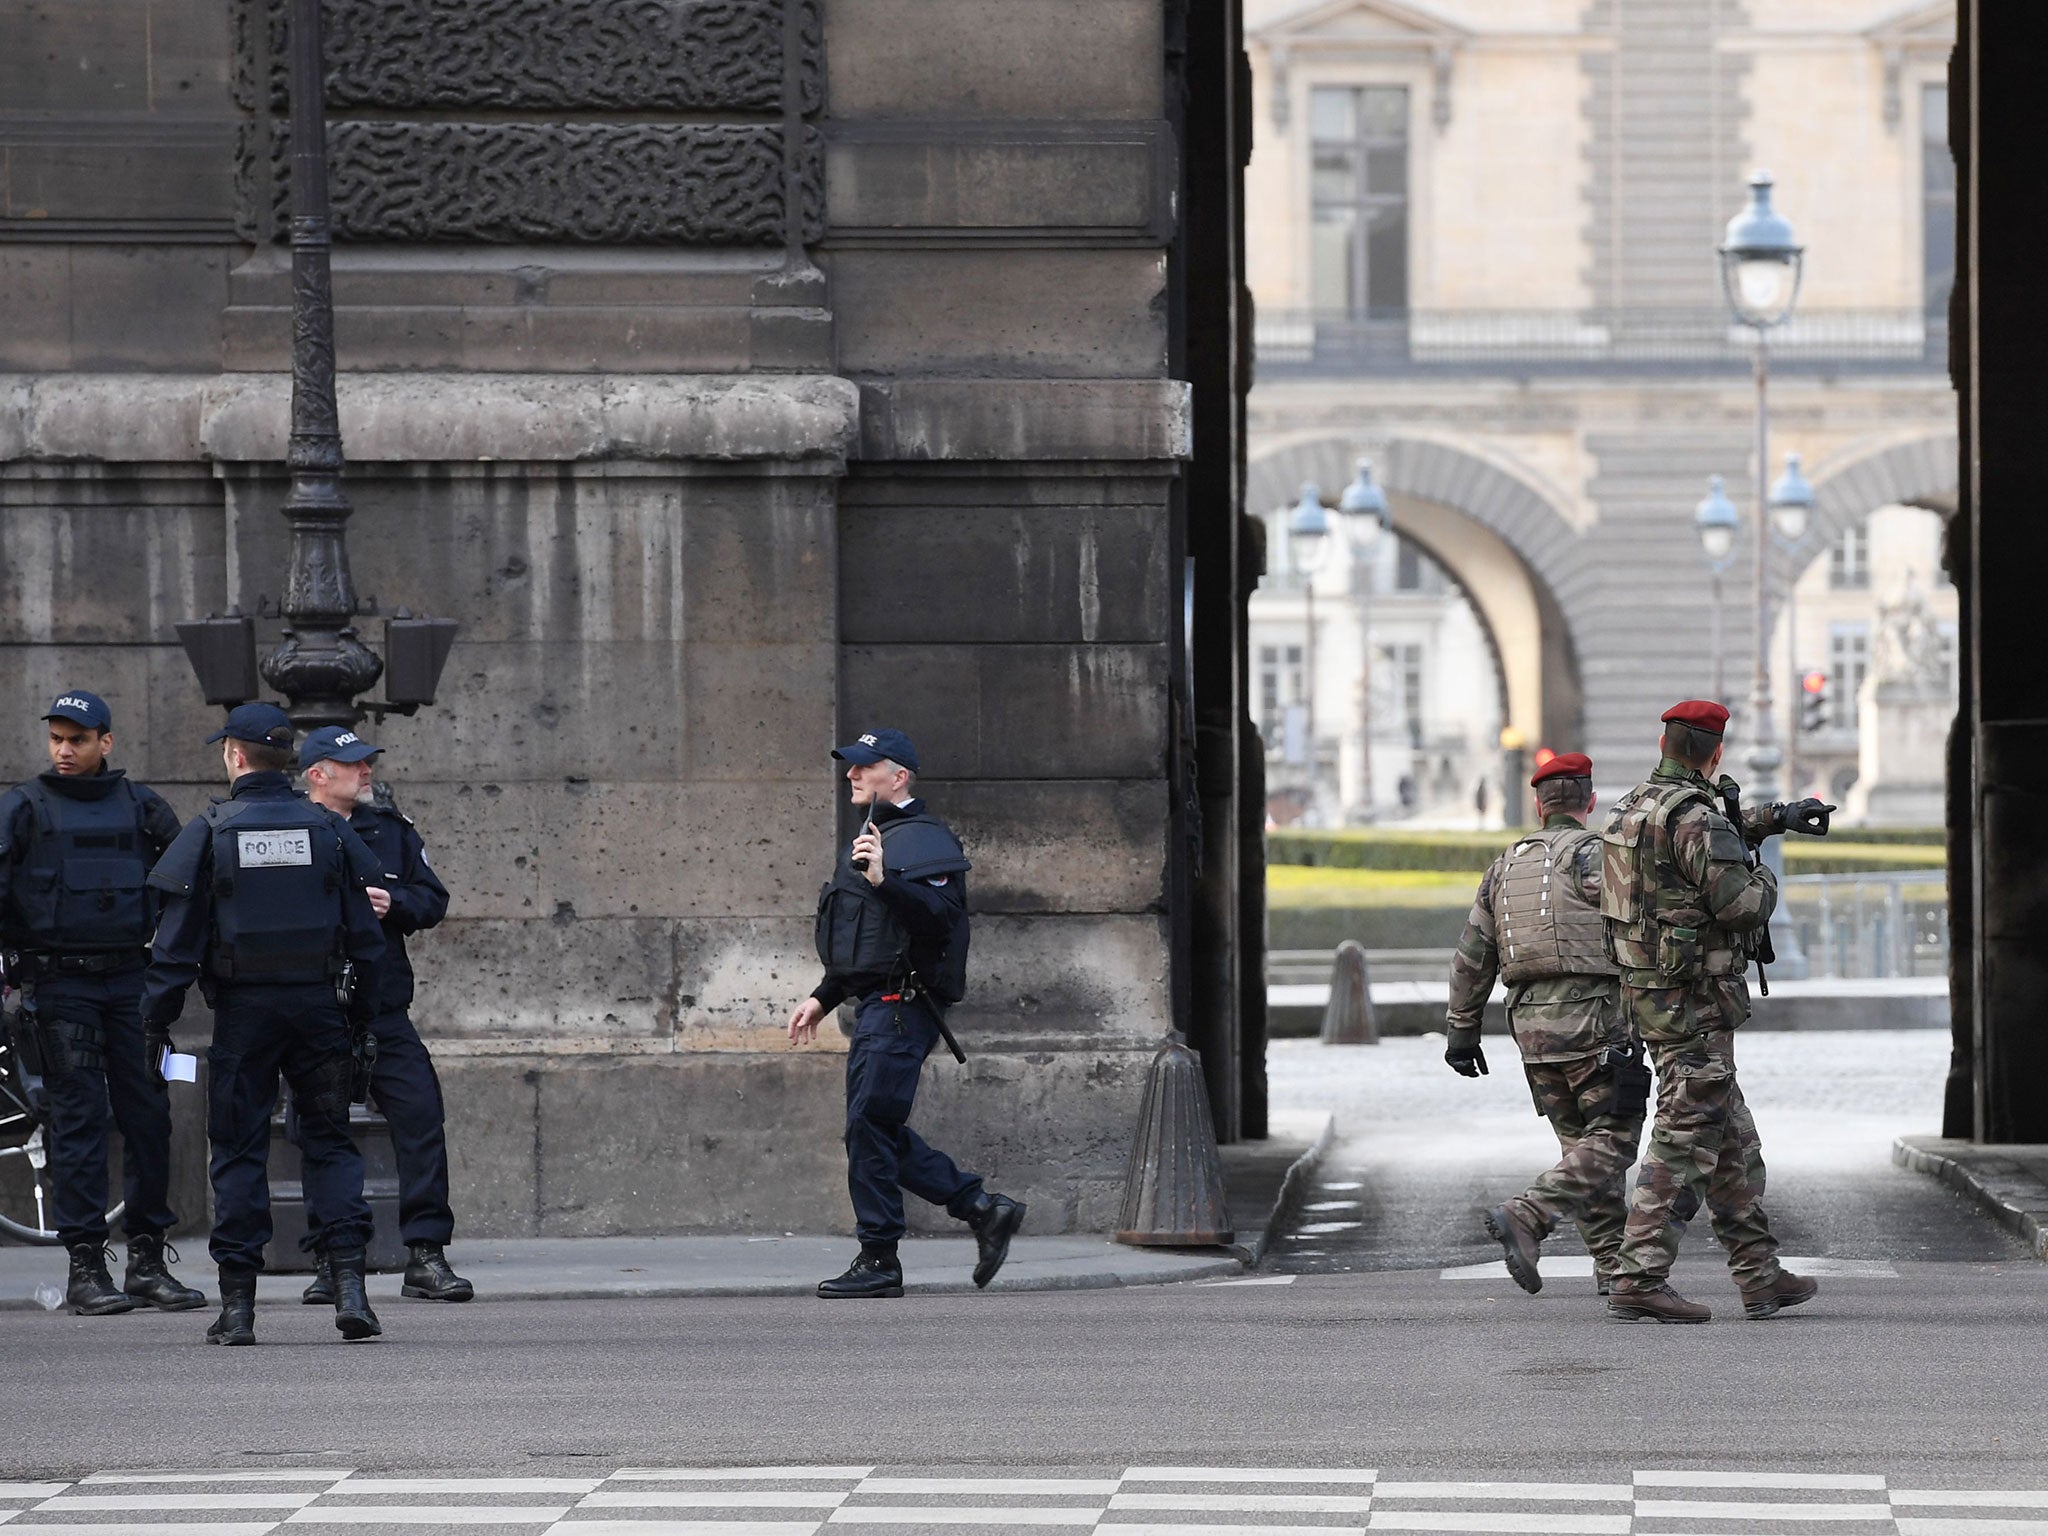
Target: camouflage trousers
1588 1184
1703 1149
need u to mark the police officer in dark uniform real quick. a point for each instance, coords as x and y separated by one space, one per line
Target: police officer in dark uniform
266 907
407 898
892 933
76 846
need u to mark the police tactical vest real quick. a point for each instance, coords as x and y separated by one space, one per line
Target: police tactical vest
858 936
81 885
278 876
1545 927
1658 928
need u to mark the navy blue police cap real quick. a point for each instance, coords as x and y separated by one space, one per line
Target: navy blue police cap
332 743
82 708
263 725
873 746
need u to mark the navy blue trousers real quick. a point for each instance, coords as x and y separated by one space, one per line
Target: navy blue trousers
124 1090
259 1034
884 1156
407 1091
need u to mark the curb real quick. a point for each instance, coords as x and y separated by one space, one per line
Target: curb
2007 1191
1293 1186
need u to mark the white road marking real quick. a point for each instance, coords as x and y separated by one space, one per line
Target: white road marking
1581 1493
155 1528
717 1498
1323 1228
1913 1525
234 1475
1249 1475
1207 1529
1079 1487
1332 1205
1353 1184
1254 1280
430 1514
1577 1266
1969 1498
469 1485
684 1528
50 1490
736 1474
936 1514
1710 1509
291 1498
1473 1521
1250 1503
1824 1480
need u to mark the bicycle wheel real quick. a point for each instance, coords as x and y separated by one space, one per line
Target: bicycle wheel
24 1163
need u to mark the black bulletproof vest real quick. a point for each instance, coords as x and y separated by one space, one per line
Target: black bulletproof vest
81 885
859 938
277 884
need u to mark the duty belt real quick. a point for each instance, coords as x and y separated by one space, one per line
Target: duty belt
101 963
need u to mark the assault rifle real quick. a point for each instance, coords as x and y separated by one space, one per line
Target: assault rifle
1761 949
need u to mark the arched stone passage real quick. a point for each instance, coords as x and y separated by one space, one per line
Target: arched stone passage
1850 485
1503 541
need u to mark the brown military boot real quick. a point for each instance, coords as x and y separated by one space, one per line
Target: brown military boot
1661 1305
1518 1245
1787 1290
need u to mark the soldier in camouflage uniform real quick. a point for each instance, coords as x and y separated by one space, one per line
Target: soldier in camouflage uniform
1536 923
1686 907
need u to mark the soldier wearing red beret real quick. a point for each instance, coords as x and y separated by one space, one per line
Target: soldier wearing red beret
1536 924
1686 909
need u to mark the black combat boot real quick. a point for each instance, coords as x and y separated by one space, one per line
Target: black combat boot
237 1321
319 1291
429 1277
877 1272
995 1219
1787 1290
1518 1245
148 1280
90 1291
352 1314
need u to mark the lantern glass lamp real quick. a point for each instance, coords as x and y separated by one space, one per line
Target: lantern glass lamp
1760 261
1365 503
1791 502
1717 521
1308 530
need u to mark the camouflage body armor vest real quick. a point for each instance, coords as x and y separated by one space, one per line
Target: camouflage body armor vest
1658 928
1546 928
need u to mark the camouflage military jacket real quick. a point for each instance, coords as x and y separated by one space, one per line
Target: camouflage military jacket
1680 901
1556 1018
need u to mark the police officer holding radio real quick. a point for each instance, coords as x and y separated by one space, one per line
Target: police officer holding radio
892 933
266 907
76 846
407 898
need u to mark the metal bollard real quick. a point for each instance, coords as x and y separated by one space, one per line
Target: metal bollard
1173 1186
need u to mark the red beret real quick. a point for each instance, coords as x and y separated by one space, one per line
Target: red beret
1566 765
1700 714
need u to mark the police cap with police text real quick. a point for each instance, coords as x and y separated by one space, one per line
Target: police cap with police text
1700 714
1566 765
333 744
263 725
81 708
874 746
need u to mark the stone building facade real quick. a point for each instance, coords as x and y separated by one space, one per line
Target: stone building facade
740 373
1482 248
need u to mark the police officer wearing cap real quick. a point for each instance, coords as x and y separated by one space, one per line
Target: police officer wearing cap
407 898
1536 924
266 907
76 846
1687 904
892 933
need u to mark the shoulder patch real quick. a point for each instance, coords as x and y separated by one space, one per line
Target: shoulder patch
1724 843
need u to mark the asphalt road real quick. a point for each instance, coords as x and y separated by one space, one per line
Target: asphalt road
1926 1367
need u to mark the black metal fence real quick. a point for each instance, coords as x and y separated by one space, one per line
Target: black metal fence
1514 342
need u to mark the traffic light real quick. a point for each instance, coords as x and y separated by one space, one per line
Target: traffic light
1813 704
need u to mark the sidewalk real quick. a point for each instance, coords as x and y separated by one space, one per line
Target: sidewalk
1256 1174
2009 1183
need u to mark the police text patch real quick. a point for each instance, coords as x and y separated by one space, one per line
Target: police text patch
265 850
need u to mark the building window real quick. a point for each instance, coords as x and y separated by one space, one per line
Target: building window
1281 683
1407 568
1848 665
1849 560
1407 669
1359 199
1937 201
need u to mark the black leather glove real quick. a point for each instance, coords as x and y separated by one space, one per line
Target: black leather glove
1807 816
1463 1054
156 1045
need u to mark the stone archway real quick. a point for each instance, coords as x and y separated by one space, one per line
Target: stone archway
1518 560
1849 485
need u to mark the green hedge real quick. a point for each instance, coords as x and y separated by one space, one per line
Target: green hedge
1857 851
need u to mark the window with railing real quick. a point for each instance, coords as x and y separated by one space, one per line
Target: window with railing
1358 195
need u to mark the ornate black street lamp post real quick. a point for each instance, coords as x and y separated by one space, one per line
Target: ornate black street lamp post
322 666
